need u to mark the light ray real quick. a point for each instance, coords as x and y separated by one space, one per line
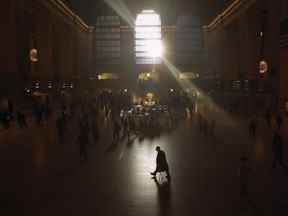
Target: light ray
186 84
122 10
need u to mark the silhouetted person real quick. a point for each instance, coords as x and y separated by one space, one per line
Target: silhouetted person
116 130
161 163
83 140
279 120
278 150
21 120
212 127
244 173
38 115
94 123
253 127
10 107
126 127
268 117
84 123
200 122
205 126
94 128
60 125
132 124
5 118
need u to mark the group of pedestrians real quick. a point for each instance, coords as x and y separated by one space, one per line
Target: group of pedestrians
40 113
277 134
278 142
206 127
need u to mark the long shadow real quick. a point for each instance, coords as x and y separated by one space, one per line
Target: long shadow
164 197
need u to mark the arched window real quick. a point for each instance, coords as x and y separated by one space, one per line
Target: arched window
148 38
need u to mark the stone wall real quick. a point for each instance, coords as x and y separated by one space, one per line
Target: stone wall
239 38
62 39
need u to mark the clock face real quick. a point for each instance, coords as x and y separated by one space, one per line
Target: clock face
263 67
33 55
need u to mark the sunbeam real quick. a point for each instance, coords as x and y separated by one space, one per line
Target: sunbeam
122 10
208 101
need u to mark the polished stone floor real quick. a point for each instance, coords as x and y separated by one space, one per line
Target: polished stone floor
41 177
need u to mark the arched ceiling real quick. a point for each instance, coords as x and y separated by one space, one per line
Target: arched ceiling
169 9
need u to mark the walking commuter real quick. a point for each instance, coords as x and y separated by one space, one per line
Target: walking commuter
244 173
200 122
253 127
126 127
94 122
60 125
161 163
212 127
116 131
278 150
21 120
279 120
94 129
83 140
268 117
205 126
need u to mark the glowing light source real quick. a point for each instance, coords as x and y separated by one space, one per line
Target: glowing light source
148 35
187 76
263 67
150 95
108 76
34 55
155 49
147 76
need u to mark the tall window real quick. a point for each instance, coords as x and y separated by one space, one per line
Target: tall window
188 40
148 38
107 36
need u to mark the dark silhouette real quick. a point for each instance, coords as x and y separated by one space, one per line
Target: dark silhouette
279 120
278 150
244 171
200 122
94 127
116 131
126 128
38 113
164 198
60 125
212 127
83 140
253 127
205 126
268 117
161 163
21 120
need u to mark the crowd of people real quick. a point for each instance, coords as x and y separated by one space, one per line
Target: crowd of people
87 115
126 120
116 110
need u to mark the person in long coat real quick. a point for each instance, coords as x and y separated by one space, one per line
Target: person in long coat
161 163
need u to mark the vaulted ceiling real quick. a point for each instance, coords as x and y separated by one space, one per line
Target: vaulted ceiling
169 9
